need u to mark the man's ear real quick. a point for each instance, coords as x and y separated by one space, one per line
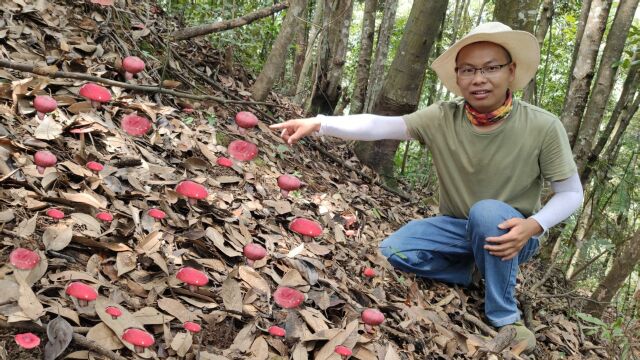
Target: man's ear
512 71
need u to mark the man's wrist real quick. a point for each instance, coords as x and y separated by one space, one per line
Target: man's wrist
536 228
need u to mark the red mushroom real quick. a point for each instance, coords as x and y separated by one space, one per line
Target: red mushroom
192 191
305 227
371 318
135 125
114 312
81 291
132 65
369 272
55 214
245 120
349 232
253 252
192 327
44 159
44 104
24 259
27 340
140 339
288 298
288 183
193 277
104 216
157 214
242 150
343 351
94 166
223 161
277 331
96 93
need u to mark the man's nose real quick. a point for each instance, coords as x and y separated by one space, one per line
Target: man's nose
478 77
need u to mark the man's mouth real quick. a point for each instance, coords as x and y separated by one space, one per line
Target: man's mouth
480 92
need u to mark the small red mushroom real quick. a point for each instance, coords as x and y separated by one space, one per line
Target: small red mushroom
95 93
132 65
24 259
81 291
343 351
223 161
104 216
253 252
44 104
369 272
245 120
157 214
305 227
140 339
27 340
288 298
94 166
44 159
192 327
277 331
371 318
114 312
192 191
193 277
349 232
135 125
242 150
55 214
288 183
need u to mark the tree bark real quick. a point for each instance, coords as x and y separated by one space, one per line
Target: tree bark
316 28
579 87
579 236
546 15
403 85
520 15
605 79
364 58
276 60
376 75
299 54
582 23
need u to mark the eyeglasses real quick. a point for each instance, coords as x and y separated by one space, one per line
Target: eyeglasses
468 72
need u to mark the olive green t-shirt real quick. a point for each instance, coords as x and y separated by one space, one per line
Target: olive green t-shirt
508 163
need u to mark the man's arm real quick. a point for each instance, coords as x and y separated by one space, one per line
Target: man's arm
365 127
567 198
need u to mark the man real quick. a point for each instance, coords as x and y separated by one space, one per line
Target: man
492 153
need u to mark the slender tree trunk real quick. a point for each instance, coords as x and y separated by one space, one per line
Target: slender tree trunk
546 15
582 23
364 58
403 85
579 237
578 91
605 79
299 54
276 60
479 19
376 75
316 28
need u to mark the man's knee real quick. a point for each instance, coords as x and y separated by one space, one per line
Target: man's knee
485 215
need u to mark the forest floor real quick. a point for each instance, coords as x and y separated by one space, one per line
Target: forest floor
132 261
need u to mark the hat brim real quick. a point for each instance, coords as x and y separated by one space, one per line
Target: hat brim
522 46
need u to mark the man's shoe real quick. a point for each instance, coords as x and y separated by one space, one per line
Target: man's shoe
525 340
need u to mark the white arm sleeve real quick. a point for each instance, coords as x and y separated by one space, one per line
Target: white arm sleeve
365 127
566 199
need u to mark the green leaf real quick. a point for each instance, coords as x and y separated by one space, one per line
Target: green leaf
188 120
591 319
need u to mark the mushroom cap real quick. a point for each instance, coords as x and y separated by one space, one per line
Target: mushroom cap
55 213
113 311
305 227
372 317
95 92
24 259
135 125
192 190
192 327
132 64
343 350
27 340
192 276
242 150
44 158
369 272
138 337
253 251
104 216
157 214
44 104
289 182
81 291
287 297
95 166
223 161
246 119
277 331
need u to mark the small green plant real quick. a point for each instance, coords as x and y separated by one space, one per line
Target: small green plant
617 341
188 120
212 119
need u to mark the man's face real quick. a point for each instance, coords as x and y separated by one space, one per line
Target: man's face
486 92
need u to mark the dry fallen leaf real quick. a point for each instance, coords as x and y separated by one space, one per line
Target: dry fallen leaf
59 333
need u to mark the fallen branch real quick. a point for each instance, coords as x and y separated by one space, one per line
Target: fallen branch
480 324
205 29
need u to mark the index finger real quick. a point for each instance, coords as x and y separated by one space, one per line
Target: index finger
277 126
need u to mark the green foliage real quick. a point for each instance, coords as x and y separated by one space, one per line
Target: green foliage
614 334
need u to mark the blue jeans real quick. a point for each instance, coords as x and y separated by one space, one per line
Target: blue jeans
445 248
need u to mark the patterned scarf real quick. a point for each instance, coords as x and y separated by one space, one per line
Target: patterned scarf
491 118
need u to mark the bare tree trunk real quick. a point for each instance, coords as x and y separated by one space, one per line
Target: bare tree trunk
604 83
582 23
376 75
579 236
479 19
578 91
299 54
364 58
546 15
520 15
403 85
278 55
316 28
